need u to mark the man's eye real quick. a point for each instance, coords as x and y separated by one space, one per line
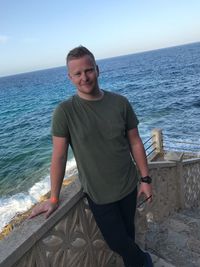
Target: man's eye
90 70
77 74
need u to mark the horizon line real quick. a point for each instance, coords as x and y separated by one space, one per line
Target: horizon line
98 59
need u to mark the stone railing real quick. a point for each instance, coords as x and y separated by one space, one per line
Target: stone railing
176 186
70 236
176 179
191 183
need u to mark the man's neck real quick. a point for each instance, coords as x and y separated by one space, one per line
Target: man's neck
98 95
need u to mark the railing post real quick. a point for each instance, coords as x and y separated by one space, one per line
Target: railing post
157 139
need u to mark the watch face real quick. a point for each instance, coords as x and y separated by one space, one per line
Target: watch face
146 179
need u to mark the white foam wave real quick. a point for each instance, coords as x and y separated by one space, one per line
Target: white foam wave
40 188
10 206
21 202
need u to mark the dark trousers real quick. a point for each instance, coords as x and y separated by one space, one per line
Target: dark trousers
116 223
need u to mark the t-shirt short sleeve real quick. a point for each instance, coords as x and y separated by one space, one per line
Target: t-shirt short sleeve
59 126
131 118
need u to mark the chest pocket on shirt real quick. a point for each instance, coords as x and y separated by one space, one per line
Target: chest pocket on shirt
114 130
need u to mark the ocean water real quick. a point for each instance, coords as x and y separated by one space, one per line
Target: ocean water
162 85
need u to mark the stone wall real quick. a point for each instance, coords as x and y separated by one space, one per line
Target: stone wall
70 237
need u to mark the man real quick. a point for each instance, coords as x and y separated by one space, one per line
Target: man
101 128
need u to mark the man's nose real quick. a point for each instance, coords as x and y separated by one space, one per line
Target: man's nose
84 76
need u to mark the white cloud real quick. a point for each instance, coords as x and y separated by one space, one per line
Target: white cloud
3 39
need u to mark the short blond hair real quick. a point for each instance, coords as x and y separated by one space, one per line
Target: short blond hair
79 52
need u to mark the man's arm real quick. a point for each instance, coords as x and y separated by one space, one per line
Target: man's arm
58 165
139 155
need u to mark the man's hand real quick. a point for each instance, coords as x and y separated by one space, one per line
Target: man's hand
44 207
145 189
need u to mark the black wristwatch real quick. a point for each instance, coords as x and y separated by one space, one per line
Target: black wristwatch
146 179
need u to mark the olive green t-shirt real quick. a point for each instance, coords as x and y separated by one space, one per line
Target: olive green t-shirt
97 133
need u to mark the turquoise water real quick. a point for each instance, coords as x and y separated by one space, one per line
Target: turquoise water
162 85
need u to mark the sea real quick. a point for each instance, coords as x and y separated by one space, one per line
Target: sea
163 86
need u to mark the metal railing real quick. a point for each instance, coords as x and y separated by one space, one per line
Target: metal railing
149 146
161 141
181 142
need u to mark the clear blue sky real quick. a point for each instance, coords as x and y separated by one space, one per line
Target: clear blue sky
38 34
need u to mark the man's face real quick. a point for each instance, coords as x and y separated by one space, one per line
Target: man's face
84 73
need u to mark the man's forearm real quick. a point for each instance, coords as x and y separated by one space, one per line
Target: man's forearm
139 155
58 166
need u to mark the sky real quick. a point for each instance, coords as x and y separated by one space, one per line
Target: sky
38 34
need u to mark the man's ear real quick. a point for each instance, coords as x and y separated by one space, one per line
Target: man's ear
69 76
97 70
